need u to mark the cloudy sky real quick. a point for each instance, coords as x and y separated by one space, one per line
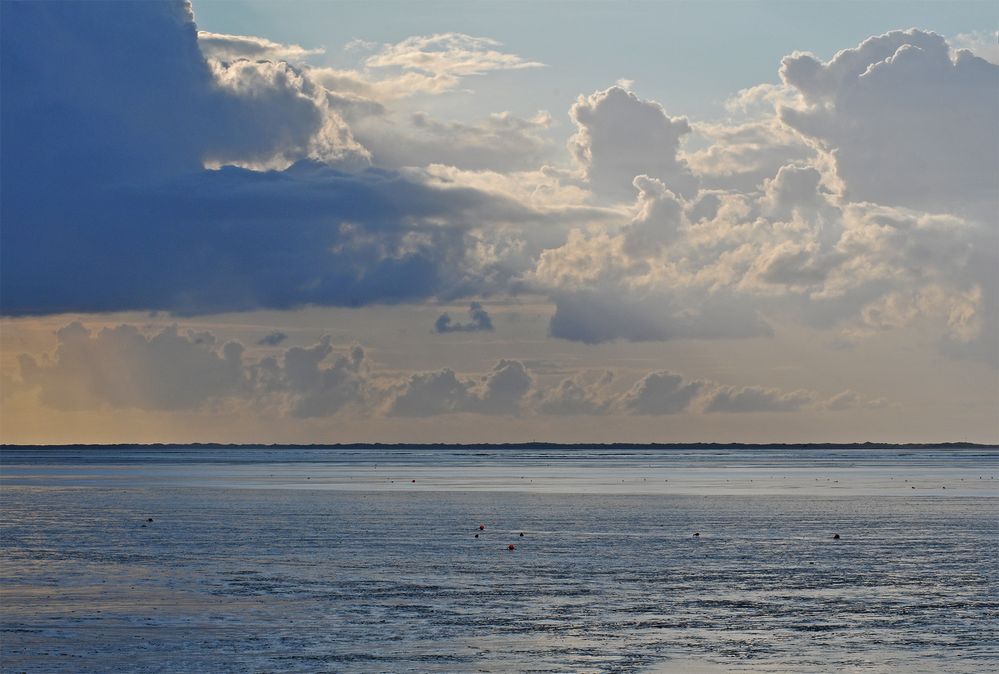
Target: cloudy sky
338 222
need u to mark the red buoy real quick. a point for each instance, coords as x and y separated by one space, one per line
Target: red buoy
511 547
482 527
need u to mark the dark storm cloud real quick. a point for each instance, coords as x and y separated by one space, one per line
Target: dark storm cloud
236 239
109 111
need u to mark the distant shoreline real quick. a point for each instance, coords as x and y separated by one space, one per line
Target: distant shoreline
522 445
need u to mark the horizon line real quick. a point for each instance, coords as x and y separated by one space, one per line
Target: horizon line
512 445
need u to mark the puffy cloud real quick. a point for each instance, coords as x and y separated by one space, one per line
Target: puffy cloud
319 390
900 267
272 339
620 136
498 392
502 390
274 114
222 47
720 265
659 218
795 189
902 120
661 393
82 91
602 293
907 121
431 393
792 264
480 321
755 399
576 395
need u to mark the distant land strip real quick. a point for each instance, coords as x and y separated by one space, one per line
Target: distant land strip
524 445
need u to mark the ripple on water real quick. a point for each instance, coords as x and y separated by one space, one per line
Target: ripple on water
335 580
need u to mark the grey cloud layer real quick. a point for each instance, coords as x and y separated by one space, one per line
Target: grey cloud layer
124 367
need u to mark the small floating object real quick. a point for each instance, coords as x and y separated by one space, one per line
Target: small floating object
482 527
413 481
511 547
521 534
149 519
476 535
835 537
696 534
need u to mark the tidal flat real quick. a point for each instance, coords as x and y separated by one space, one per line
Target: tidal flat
398 560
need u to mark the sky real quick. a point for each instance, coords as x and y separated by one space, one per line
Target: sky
499 222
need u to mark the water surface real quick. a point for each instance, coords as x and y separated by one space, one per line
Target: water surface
336 560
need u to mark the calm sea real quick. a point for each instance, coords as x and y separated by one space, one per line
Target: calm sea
247 560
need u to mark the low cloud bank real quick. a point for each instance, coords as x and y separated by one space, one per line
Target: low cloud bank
124 367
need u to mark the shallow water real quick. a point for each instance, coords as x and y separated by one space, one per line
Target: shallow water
335 560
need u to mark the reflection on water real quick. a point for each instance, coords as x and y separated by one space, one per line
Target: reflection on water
337 561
